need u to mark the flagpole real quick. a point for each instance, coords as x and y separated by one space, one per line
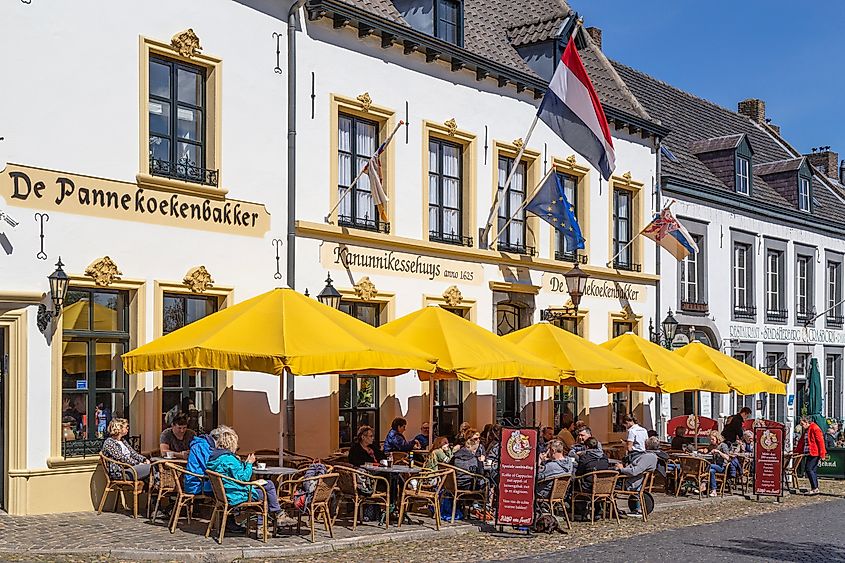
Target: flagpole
494 210
621 250
363 171
524 203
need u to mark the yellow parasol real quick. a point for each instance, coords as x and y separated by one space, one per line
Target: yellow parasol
741 377
674 374
277 331
591 364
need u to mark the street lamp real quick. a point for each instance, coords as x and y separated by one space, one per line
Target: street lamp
59 282
576 285
330 296
666 333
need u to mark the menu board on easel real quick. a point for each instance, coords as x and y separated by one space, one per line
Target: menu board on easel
768 460
517 475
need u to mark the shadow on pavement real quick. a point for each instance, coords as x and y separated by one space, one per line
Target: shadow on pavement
771 550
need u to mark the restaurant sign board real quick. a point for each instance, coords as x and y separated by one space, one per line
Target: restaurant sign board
394 262
517 470
768 460
37 188
690 423
604 289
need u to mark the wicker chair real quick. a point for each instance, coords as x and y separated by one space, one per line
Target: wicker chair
399 458
451 486
558 495
645 487
323 491
183 499
427 492
165 487
223 508
348 478
604 489
744 478
790 470
120 485
696 469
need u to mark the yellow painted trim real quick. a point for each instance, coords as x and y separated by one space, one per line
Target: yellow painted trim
385 118
514 287
639 213
469 165
22 297
15 323
161 183
213 126
321 231
533 174
582 175
137 335
225 402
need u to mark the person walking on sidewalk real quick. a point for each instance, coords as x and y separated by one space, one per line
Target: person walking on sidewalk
812 446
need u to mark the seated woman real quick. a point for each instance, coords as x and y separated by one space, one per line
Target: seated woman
362 451
395 440
721 458
441 452
117 449
491 451
224 461
466 459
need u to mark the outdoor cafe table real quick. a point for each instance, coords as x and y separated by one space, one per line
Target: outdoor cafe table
393 469
273 471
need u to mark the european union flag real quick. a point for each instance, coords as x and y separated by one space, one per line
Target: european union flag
550 204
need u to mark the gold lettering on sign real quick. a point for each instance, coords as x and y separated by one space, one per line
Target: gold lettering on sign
451 126
365 289
366 101
187 43
103 271
198 279
453 296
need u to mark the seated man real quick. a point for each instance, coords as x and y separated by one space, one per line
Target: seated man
547 434
591 459
744 449
395 440
680 440
422 437
638 464
580 446
553 463
177 438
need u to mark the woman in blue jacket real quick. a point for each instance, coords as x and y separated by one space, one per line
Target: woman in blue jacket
224 461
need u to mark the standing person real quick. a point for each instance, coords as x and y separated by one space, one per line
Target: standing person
395 440
811 445
637 435
177 438
733 427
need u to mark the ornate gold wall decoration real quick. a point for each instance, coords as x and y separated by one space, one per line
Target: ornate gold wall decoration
198 279
518 143
453 296
627 175
451 126
365 289
187 43
104 271
366 101
570 159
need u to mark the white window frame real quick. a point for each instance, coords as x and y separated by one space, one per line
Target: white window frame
689 278
740 275
802 286
773 296
743 177
804 194
834 294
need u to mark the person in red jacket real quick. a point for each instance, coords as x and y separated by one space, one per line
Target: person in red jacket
811 445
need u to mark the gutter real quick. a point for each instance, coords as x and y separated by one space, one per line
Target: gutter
290 379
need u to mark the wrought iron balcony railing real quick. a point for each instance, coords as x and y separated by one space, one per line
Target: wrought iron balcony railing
185 171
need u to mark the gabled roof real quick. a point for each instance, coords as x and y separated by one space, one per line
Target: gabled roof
692 119
779 166
492 30
716 144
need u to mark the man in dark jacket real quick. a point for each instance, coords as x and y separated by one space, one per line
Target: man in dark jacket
733 428
395 440
592 459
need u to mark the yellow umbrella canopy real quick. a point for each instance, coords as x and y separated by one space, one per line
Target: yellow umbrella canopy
591 364
741 377
467 351
277 331
674 374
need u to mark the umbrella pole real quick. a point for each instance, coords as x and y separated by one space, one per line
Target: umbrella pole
695 412
281 420
431 383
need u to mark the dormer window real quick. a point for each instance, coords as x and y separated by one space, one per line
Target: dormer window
804 194
440 18
743 175
447 21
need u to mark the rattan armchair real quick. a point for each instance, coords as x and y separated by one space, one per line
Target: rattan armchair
696 469
603 489
222 508
790 470
165 487
183 499
558 495
348 479
451 486
121 486
425 489
639 494
326 486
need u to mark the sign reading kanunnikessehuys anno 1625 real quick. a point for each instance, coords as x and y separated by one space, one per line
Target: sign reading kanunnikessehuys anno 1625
394 262
36 188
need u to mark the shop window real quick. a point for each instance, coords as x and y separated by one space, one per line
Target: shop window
448 407
623 225
192 392
445 192
510 207
177 121
95 333
621 402
508 319
357 141
358 395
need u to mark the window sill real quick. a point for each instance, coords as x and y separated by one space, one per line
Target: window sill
59 461
160 183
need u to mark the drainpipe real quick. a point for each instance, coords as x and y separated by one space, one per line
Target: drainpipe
661 424
290 416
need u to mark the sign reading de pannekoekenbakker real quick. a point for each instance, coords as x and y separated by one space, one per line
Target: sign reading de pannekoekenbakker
36 188
787 334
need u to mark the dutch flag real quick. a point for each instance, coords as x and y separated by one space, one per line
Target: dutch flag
572 109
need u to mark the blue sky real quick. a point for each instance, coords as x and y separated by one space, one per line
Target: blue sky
790 54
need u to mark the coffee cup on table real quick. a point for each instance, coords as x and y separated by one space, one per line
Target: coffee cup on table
384 462
261 465
168 454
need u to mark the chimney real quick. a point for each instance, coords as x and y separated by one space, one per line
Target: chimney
774 128
842 172
826 161
595 35
753 109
